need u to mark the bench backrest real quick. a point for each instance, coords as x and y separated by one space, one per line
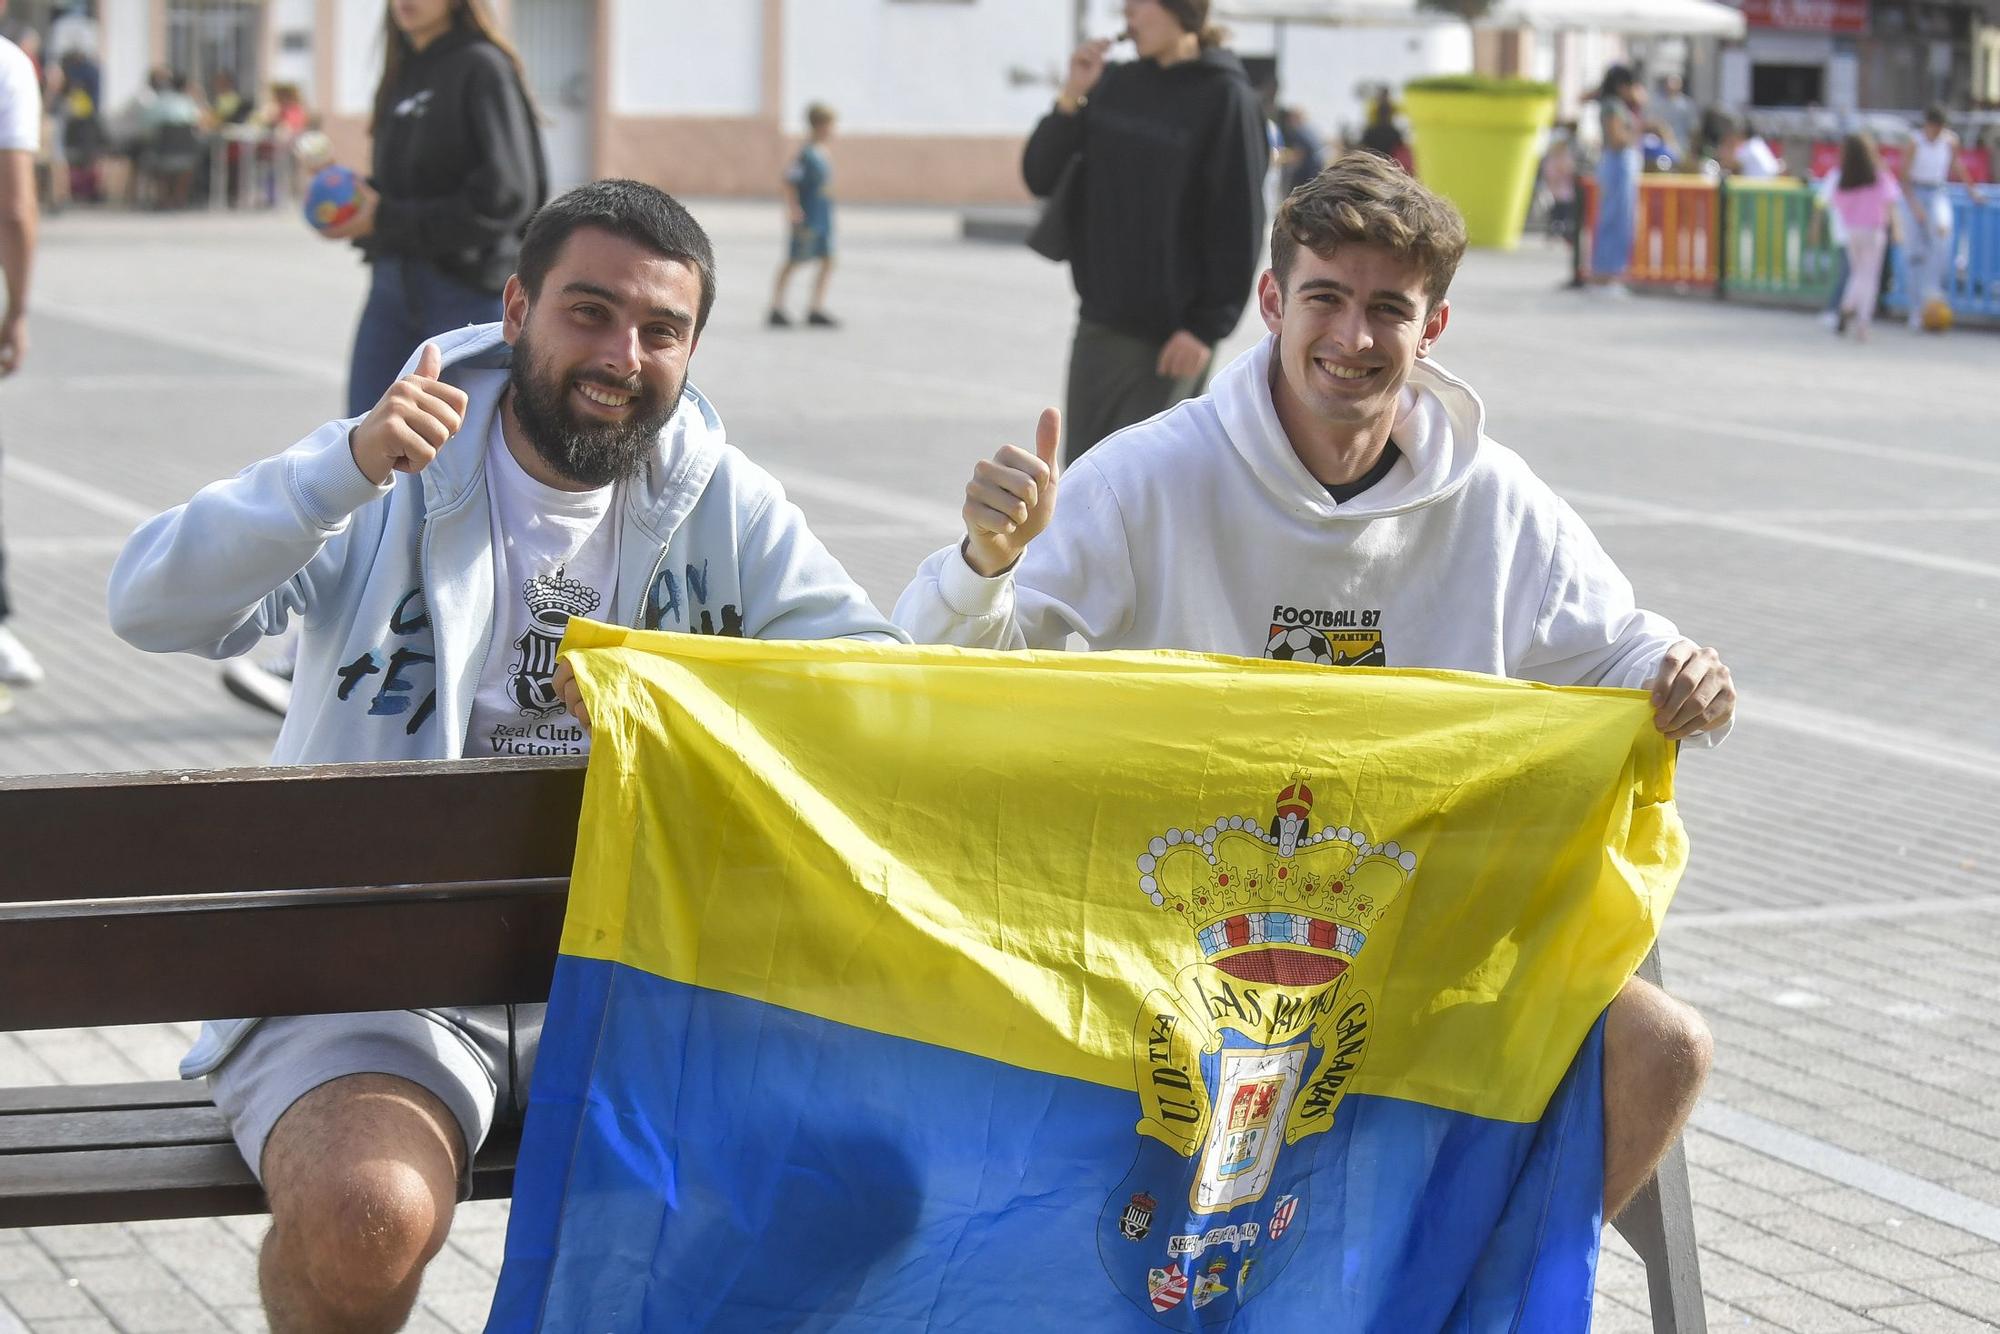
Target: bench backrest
141 898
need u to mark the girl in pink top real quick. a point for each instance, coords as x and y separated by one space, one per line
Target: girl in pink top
1865 202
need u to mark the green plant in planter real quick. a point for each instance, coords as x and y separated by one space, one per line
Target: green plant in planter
1469 10
1487 84
1476 137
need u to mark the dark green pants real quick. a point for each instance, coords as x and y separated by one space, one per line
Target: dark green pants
1112 385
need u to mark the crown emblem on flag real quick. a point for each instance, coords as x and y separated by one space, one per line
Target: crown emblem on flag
1278 902
553 598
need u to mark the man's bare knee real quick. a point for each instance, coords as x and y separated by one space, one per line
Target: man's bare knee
1657 1052
362 1175
1656 1047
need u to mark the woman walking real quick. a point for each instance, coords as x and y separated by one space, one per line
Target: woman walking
1165 212
1619 103
1865 202
457 173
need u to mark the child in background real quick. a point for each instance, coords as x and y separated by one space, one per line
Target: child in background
1559 183
1865 205
811 209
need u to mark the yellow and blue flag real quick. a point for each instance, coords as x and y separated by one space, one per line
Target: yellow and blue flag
947 990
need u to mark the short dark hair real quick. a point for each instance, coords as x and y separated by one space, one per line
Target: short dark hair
1934 114
1362 199
632 209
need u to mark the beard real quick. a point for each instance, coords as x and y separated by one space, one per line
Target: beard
589 453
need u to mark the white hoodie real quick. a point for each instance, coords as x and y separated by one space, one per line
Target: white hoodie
1201 529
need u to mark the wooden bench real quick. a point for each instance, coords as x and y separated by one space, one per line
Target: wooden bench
160 897
143 898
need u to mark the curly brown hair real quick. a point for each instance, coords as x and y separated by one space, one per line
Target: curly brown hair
1362 199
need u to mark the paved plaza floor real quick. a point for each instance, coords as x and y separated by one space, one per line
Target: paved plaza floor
1827 514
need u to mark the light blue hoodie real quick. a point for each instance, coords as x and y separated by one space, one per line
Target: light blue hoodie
394 584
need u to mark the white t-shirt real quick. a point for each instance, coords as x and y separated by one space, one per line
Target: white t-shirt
20 100
555 555
1930 159
1826 187
1755 159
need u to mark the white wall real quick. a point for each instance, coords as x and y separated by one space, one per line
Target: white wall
126 34
291 17
357 55
1329 70
925 66
687 57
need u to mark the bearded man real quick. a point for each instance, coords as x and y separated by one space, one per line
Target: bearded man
555 464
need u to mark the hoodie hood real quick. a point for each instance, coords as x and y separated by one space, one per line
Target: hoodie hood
479 360
1213 60
1440 429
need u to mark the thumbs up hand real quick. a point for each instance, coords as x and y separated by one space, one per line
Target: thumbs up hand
404 431
1010 499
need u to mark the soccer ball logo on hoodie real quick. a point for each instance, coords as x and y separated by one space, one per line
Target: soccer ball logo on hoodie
1299 643
1326 638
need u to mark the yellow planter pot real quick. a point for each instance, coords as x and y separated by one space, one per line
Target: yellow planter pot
1478 151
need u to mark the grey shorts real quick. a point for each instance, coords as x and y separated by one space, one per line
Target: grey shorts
475 1060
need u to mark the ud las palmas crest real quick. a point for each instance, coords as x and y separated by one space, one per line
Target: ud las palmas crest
1242 1060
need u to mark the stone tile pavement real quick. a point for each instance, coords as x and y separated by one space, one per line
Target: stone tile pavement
1827 514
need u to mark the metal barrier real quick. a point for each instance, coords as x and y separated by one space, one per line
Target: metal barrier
1972 279
1772 255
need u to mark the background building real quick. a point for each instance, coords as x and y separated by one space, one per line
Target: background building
1849 55
706 97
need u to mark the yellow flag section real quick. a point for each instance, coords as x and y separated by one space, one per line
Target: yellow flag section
1424 885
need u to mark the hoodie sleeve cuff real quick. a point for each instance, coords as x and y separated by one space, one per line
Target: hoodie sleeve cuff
330 485
969 593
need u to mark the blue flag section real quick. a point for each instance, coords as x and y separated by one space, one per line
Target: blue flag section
698 1161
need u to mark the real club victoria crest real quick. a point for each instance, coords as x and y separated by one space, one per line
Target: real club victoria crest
1243 1057
1137 1220
552 599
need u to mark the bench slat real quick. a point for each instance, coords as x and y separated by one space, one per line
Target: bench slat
97 1128
181 1181
39 1098
84 1186
390 952
411 822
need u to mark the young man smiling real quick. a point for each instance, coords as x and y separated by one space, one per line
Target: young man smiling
1334 498
555 464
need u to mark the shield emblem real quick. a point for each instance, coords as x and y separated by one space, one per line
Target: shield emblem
1281 1217
532 672
1212 1283
1137 1220
1167 1286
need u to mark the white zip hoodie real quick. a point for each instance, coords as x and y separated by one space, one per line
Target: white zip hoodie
1201 529
394 584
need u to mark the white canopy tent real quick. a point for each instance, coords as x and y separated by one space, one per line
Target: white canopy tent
1630 18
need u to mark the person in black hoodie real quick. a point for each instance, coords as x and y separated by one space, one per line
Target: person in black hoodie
458 171
1167 212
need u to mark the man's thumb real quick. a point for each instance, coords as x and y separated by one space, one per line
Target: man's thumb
430 361
1048 439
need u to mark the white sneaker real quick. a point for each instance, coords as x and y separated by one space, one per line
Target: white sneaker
17 666
265 685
